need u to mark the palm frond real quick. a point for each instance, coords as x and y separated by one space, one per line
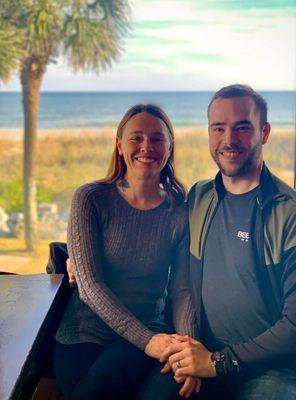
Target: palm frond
11 50
88 32
44 27
93 33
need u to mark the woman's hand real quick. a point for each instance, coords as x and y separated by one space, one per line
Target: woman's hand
189 357
71 276
158 344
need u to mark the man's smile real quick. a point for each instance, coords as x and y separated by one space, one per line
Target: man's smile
230 154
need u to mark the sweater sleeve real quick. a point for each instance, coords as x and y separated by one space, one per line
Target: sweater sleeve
179 293
279 341
84 245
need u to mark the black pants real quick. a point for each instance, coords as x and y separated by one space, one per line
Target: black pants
273 384
88 371
164 387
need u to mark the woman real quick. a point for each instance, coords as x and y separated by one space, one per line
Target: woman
128 246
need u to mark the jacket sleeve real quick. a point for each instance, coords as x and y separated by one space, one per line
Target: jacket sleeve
84 246
179 293
278 343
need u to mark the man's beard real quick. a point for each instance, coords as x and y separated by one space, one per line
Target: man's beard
245 167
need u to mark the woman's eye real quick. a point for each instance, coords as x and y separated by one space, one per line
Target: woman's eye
135 139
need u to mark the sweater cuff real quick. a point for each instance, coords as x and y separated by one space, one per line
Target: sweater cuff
144 339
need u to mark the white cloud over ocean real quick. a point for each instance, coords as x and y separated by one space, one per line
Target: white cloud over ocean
196 45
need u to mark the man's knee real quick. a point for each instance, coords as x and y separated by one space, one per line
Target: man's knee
274 384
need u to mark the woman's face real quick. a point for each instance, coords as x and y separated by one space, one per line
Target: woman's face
145 146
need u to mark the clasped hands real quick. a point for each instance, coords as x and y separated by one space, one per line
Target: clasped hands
189 359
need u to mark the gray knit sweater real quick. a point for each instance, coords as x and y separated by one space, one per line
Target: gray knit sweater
125 260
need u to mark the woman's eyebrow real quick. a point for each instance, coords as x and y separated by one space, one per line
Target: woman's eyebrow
139 132
136 132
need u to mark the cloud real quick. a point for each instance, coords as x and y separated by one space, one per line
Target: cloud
190 44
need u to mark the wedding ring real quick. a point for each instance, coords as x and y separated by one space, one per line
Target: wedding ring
178 364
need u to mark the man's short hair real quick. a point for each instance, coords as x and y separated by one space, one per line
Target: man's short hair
239 90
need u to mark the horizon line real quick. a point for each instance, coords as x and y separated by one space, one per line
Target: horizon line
140 91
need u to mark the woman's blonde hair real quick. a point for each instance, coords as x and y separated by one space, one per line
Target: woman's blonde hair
174 188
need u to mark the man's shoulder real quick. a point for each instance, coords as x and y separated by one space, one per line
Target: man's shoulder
201 194
201 187
284 189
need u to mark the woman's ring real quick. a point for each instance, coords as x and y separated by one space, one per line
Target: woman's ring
178 364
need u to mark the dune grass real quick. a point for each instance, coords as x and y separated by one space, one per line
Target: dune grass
66 160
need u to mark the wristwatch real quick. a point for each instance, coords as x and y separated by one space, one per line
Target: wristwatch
218 359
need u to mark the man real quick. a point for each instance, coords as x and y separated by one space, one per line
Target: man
243 266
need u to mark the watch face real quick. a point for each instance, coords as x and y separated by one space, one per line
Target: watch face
217 356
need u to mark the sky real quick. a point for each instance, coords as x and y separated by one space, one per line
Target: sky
195 45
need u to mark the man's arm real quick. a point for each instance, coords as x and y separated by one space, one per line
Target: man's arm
268 349
279 341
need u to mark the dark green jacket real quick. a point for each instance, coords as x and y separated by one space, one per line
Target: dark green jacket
276 259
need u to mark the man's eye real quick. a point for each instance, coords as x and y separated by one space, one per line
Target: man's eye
243 128
218 129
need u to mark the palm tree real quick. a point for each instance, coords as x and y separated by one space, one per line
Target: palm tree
33 33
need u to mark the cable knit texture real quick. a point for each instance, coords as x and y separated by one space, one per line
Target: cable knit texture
125 260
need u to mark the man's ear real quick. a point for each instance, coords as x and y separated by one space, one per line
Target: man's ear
118 145
265 132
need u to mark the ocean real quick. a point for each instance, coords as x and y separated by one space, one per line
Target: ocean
105 109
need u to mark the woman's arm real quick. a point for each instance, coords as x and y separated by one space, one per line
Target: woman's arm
84 245
179 293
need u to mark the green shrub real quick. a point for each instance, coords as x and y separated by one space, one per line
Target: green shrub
11 196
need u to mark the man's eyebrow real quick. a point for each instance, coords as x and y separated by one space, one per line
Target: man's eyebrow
243 121
218 123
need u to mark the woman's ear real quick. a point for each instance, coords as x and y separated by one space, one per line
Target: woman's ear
118 145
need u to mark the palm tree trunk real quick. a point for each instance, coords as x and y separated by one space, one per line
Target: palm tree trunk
31 78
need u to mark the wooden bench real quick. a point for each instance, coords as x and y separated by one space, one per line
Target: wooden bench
30 309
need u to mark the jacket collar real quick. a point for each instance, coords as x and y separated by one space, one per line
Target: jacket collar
267 187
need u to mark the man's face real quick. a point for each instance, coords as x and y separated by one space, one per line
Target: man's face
235 135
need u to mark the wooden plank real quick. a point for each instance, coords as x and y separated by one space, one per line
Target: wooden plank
25 304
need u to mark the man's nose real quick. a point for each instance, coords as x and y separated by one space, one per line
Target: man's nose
229 136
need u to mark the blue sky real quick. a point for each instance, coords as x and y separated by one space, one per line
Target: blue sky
195 45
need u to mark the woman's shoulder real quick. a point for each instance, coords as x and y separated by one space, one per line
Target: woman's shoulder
94 191
180 213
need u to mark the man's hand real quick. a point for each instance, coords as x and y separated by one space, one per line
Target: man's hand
71 276
189 357
191 383
158 343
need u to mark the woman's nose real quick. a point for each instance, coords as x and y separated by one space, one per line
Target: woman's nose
146 146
